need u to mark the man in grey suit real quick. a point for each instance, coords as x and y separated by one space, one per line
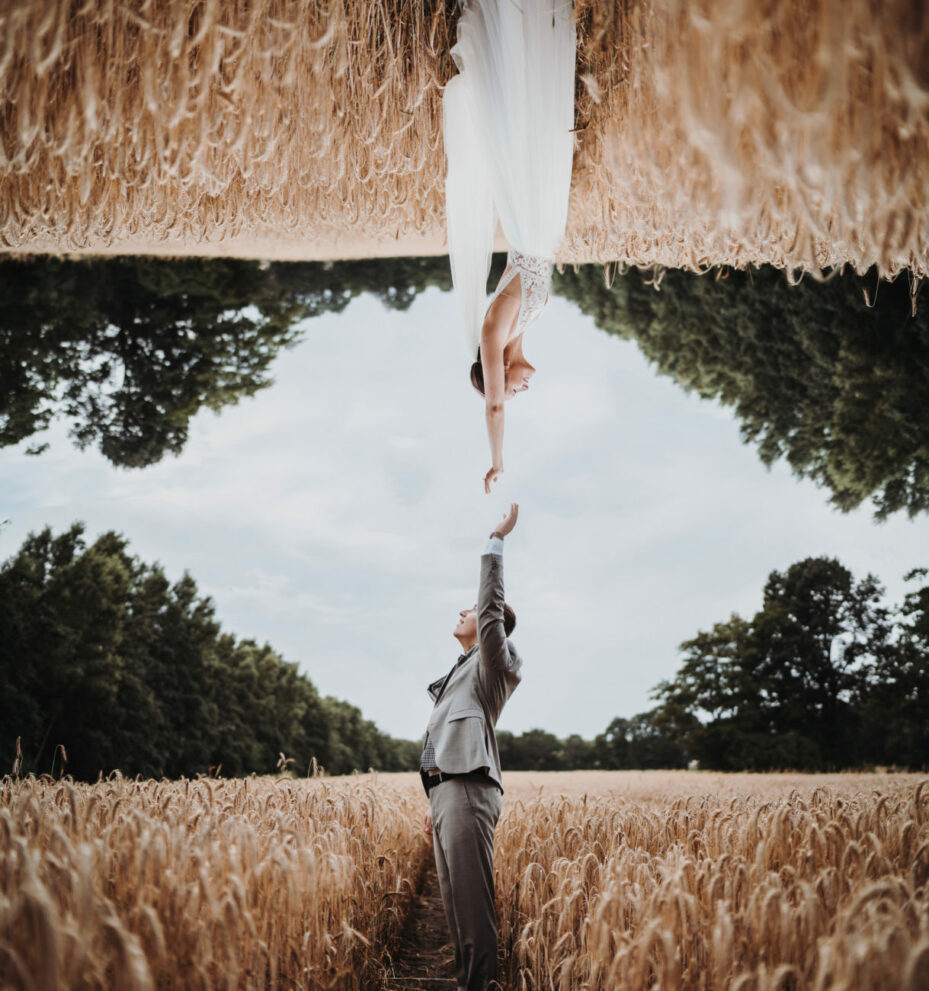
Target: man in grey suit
461 767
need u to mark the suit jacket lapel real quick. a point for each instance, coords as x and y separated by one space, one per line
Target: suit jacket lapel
437 687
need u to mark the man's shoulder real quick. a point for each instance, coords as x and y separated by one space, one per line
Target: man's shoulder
510 647
514 659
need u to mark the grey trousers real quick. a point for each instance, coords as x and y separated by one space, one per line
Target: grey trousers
464 813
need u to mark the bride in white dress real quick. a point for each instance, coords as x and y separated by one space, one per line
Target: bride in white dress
509 118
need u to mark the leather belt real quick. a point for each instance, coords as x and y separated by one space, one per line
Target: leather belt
431 779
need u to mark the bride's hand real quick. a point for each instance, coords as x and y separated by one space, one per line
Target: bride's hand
491 477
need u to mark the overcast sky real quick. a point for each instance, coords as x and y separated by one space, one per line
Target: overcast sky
340 515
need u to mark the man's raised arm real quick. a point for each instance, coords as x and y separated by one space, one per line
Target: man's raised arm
490 630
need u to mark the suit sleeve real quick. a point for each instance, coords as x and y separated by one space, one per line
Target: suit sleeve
490 633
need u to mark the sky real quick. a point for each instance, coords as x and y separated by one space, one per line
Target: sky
340 515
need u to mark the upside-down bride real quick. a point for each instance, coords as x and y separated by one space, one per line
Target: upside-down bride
508 121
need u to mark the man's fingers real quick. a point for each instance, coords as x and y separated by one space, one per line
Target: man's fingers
509 517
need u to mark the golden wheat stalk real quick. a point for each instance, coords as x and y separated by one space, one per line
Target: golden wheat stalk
793 132
814 890
260 883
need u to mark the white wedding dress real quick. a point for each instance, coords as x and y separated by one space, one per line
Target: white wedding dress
508 120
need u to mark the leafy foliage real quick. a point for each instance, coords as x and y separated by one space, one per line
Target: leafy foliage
814 374
129 349
101 654
822 677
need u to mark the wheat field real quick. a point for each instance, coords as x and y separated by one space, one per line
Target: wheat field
755 884
605 880
255 883
708 132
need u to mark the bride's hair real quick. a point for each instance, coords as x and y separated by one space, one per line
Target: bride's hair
477 374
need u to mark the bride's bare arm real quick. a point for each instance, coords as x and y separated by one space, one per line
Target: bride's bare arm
494 388
498 325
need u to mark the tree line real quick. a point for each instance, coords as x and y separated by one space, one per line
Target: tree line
128 350
105 664
829 376
823 677
102 654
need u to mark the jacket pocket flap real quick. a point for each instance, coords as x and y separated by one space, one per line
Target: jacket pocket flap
471 710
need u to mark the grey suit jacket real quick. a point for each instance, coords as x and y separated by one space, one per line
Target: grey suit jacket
462 724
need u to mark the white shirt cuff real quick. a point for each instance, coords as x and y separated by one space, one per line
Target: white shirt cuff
494 546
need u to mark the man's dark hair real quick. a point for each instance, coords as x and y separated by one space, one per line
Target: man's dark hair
509 619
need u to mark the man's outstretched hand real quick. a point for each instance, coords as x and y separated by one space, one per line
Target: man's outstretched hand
509 520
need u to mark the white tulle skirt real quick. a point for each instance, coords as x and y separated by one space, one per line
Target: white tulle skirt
508 119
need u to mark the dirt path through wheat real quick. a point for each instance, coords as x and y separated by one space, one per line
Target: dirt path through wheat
424 957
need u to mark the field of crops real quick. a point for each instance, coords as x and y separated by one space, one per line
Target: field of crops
749 885
793 132
604 880
257 883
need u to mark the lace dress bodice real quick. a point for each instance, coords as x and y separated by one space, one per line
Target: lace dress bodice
535 279
508 128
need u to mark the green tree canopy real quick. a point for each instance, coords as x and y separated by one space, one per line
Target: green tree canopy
814 374
822 677
100 653
895 697
640 742
129 349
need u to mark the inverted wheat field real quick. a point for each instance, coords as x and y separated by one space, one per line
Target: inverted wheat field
604 880
793 132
